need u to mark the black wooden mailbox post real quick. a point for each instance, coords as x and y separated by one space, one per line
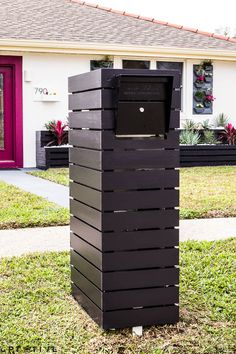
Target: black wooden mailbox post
124 240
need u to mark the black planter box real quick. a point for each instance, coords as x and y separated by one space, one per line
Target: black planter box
50 156
207 155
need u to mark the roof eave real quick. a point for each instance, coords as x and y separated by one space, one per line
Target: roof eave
20 45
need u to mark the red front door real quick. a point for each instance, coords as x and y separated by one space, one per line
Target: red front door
11 151
6 115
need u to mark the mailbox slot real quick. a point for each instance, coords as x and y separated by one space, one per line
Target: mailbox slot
143 105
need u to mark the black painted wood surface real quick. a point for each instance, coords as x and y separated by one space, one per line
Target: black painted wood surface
207 155
124 208
48 157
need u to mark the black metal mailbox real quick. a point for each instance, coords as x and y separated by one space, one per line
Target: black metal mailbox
143 104
124 196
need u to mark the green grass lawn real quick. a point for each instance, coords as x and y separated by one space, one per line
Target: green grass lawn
205 192
22 209
36 308
57 175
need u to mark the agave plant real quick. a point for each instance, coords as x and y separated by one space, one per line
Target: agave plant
209 137
190 125
229 134
221 120
206 124
58 129
189 137
50 124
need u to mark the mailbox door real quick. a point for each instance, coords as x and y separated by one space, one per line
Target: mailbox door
141 118
143 105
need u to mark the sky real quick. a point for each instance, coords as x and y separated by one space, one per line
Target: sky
204 15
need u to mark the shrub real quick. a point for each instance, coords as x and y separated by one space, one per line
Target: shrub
189 137
229 134
206 125
190 125
209 137
221 120
58 129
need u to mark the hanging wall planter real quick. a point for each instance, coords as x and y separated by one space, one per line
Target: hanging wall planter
202 87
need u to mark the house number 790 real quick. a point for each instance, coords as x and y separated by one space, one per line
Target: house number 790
41 91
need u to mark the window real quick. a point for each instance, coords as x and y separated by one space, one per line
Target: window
173 65
136 64
98 64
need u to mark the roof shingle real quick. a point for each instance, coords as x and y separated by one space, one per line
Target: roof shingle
77 21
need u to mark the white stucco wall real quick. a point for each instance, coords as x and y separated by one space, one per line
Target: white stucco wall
46 70
53 70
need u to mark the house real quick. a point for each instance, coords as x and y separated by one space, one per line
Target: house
44 42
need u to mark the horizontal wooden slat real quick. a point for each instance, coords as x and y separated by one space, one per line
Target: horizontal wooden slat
86 176
210 153
121 280
87 269
105 119
92 119
87 287
92 309
96 99
125 260
142 179
61 156
93 139
125 159
197 148
207 155
87 232
126 298
107 78
86 250
141 317
118 241
86 157
144 259
105 99
124 200
87 195
209 158
126 318
140 159
208 163
130 220
140 298
134 279
58 163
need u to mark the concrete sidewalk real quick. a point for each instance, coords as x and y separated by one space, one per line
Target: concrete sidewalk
49 190
21 241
